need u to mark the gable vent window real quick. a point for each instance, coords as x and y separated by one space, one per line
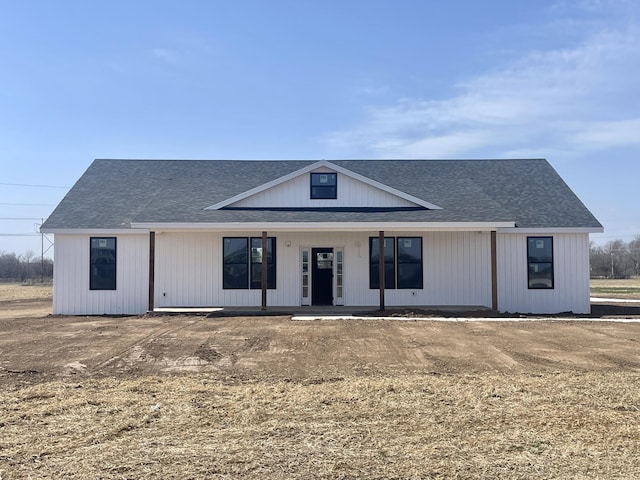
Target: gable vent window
324 186
540 262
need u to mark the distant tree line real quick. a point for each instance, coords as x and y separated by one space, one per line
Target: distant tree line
615 259
23 268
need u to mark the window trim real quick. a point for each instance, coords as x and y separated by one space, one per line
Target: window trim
92 285
396 262
323 187
551 264
250 264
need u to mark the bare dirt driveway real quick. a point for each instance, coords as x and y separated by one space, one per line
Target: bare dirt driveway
37 347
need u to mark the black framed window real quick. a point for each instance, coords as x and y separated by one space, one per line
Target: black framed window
324 186
409 262
102 259
242 262
540 262
389 262
236 262
402 262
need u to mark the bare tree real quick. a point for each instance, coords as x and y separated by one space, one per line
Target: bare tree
21 268
599 261
615 259
634 254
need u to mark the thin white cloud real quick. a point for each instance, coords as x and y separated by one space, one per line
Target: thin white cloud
574 99
183 47
599 135
371 90
165 54
442 146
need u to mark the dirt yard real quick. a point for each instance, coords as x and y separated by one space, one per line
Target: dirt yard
268 397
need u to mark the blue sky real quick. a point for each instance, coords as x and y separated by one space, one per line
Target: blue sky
326 79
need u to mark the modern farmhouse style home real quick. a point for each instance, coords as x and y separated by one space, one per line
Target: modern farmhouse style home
134 235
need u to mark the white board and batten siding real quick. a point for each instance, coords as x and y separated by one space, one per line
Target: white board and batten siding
72 294
351 193
571 275
188 270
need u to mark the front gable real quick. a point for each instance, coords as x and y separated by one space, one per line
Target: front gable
294 191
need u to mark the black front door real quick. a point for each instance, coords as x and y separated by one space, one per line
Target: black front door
322 276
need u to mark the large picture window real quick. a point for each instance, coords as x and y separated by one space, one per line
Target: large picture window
102 261
540 262
324 186
402 263
242 262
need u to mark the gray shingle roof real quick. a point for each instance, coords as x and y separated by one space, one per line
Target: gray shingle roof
113 193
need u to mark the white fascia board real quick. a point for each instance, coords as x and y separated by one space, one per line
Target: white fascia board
94 231
551 230
382 186
268 185
330 226
332 166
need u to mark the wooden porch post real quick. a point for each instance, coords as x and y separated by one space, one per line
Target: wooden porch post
381 268
152 269
494 272
264 271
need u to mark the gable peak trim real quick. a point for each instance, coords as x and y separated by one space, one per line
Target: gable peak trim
384 187
332 166
266 186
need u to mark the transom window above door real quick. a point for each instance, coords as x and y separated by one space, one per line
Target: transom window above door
324 186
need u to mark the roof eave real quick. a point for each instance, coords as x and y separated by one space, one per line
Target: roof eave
548 230
92 231
332 226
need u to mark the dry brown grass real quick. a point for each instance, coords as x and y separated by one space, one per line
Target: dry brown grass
20 301
562 425
17 291
567 424
627 288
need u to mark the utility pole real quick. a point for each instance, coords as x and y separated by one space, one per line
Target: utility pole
43 250
612 262
611 253
41 254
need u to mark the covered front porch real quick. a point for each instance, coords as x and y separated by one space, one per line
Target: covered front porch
328 269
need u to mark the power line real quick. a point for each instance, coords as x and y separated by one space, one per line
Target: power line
597 235
20 218
29 204
20 234
31 185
